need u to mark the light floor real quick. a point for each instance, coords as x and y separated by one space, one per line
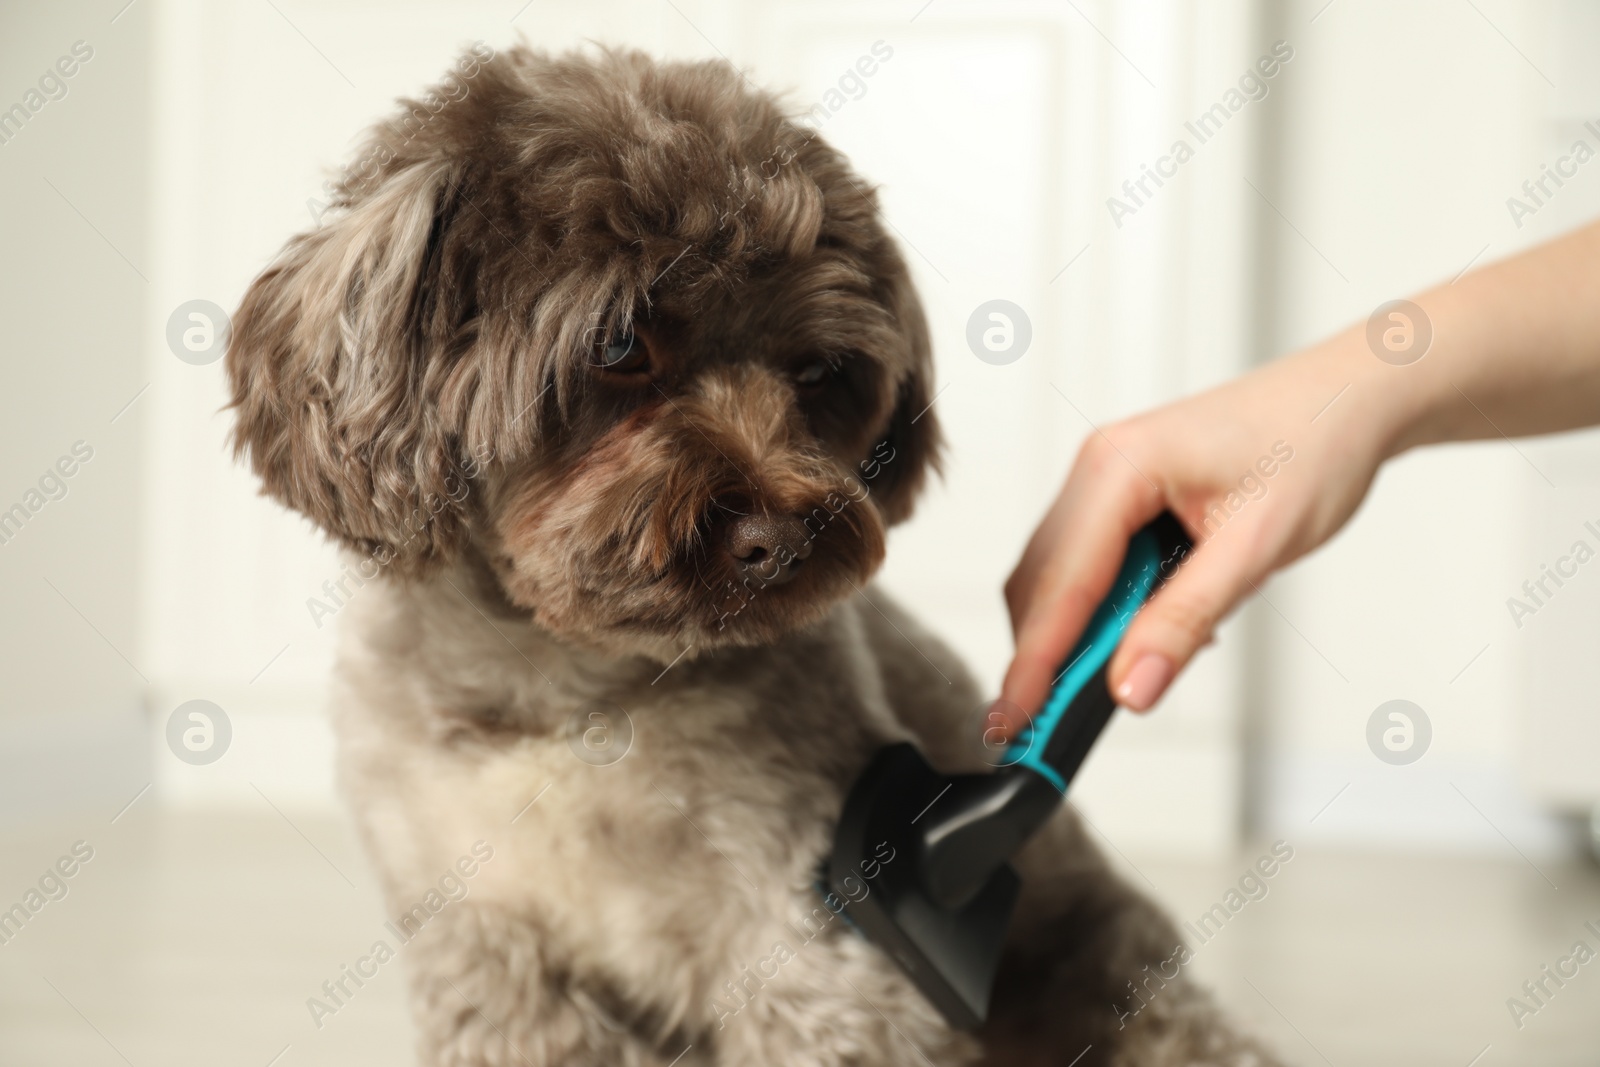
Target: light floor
193 939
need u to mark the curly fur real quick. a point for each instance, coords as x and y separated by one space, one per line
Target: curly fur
419 377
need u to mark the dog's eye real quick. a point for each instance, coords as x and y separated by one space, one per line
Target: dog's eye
813 373
626 353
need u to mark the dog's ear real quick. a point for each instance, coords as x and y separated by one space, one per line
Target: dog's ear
334 362
914 441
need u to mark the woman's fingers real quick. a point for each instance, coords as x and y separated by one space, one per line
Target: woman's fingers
1179 620
1068 569
1220 448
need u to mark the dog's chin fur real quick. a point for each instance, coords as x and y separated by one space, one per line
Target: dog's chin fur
557 335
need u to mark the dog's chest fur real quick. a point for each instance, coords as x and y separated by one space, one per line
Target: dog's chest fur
662 879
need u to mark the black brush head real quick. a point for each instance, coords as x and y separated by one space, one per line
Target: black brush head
875 871
921 859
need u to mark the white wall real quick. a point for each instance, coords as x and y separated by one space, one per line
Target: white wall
73 226
1404 133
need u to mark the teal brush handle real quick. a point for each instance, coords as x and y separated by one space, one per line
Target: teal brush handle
979 821
1079 705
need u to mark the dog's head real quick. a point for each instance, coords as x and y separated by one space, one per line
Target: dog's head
621 328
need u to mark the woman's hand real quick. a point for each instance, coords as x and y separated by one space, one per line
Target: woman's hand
1260 471
1266 468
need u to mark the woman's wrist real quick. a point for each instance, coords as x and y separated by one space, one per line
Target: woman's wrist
1371 406
1514 350
1397 405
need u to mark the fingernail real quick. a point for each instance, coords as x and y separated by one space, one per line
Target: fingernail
1145 683
1005 717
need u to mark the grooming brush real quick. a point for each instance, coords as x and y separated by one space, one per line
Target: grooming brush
940 902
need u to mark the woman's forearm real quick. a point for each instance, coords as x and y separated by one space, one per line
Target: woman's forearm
1515 351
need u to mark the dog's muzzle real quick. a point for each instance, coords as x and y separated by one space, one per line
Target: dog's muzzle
768 549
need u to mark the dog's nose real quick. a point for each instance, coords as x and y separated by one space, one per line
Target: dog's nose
768 548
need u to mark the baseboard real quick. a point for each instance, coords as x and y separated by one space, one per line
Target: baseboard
1436 804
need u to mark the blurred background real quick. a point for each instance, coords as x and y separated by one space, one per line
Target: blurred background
192 138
